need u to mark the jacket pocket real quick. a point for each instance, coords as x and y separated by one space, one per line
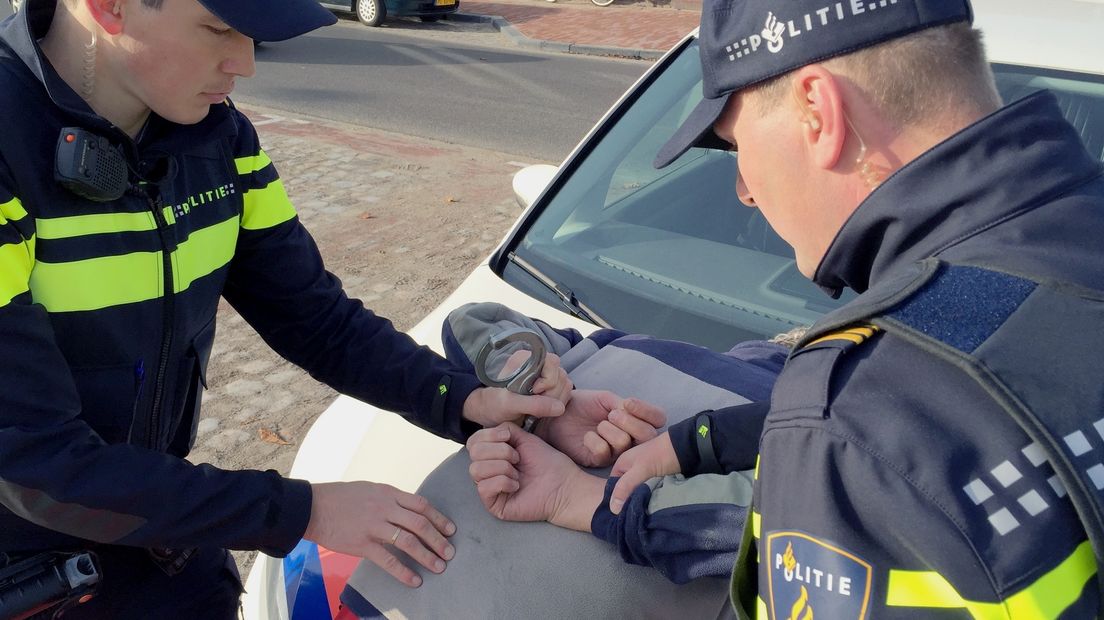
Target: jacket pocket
109 397
193 381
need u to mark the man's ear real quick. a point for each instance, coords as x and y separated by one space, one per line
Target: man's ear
107 13
819 100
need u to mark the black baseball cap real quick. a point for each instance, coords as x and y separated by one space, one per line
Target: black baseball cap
271 20
744 42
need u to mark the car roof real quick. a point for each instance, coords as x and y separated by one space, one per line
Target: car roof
1056 34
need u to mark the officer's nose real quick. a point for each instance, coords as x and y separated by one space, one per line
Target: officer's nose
239 60
742 191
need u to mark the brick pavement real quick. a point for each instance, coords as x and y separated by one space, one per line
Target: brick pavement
636 26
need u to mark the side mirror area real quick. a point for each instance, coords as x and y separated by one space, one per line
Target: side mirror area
530 182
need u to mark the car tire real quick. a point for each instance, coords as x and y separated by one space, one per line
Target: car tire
371 12
429 18
16 5
602 2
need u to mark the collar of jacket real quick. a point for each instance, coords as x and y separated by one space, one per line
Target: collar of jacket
21 34
1014 160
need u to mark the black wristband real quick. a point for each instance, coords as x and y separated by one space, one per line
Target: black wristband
703 434
440 399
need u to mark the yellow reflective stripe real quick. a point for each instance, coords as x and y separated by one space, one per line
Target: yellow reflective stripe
761 609
267 207
97 282
204 252
11 211
246 165
756 524
855 334
109 281
16 263
102 223
1048 597
1052 593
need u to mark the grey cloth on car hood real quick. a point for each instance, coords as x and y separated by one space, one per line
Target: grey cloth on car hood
537 570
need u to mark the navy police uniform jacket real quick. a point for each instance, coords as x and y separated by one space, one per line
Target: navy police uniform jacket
107 311
890 484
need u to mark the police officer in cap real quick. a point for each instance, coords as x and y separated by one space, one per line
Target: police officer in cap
927 451
132 196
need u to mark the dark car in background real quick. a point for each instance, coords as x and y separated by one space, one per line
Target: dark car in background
373 12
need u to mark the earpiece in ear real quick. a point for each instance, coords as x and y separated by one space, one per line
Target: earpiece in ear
809 119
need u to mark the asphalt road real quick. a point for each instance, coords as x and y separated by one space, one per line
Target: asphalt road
426 80
408 80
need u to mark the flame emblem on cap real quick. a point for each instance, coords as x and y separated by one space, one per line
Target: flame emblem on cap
772 33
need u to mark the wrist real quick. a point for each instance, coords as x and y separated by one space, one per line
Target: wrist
474 408
580 496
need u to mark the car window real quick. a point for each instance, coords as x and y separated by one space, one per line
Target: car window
672 252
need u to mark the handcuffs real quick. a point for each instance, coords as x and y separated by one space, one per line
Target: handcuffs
520 381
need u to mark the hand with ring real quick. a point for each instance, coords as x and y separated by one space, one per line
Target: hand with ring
364 518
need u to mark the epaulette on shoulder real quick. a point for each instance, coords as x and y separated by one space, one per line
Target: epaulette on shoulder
846 337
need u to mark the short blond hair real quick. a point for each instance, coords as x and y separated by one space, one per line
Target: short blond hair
924 77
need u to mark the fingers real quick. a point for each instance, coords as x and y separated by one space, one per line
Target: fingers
636 429
597 447
491 444
483 470
537 405
634 477
554 381
492 489
421 533
386 560
645 411
618 440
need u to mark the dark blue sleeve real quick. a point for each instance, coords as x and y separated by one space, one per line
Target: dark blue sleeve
278 282
734 433
682 541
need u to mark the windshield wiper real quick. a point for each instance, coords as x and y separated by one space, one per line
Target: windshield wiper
567 297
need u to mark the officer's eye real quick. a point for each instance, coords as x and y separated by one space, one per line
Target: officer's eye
218 30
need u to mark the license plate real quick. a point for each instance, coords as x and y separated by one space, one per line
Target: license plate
444 2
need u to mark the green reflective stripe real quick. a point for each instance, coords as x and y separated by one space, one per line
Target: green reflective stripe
170 217
267 207
102 223
246 165
98 283
16 263
11 211
1048 597
204 252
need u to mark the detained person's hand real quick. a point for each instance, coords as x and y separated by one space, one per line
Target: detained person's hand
598 426
365 519
521 478
492 406
648 460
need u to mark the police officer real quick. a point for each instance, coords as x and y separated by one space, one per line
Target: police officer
132 196
924 443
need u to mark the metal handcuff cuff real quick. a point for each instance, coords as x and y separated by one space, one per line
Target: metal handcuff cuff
520 381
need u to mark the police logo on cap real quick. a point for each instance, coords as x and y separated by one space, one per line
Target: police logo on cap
745 42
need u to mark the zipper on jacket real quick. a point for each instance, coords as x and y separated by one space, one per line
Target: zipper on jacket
153 198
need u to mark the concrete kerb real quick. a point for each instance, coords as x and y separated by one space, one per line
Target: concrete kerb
502 25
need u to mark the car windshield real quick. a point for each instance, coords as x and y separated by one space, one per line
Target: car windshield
672 252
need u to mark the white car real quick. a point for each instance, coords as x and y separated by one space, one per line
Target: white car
608 240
